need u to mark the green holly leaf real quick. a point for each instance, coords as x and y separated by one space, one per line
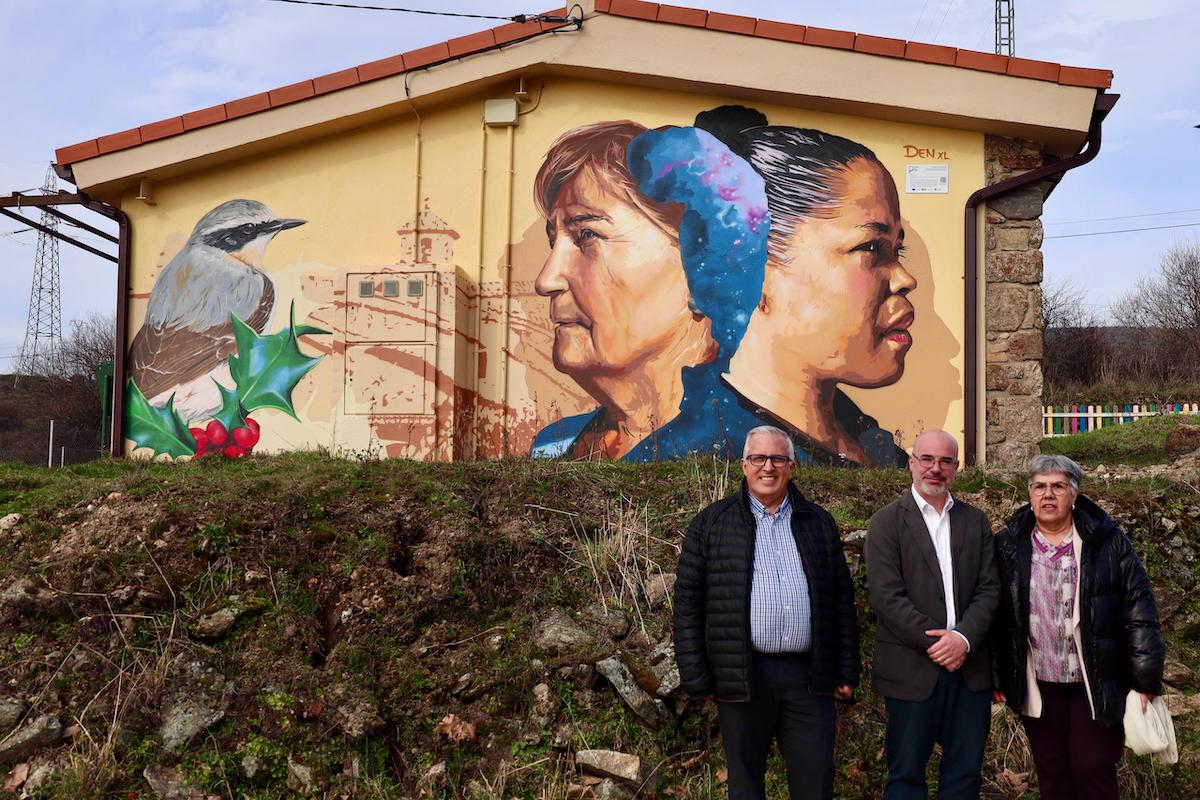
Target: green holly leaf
267 368
161 429
231 413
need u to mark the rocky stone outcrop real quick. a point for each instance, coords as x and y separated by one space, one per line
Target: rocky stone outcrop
44 731
198 699
558 633
650 711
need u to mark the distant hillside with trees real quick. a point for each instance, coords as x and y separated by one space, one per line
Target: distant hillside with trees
1145 350
67 395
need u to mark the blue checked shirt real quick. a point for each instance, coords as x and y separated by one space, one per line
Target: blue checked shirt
780 608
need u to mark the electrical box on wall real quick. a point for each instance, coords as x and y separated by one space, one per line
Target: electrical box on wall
500 112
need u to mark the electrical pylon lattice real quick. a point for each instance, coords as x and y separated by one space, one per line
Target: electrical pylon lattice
41 352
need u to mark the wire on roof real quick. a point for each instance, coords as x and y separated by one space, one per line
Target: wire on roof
519 18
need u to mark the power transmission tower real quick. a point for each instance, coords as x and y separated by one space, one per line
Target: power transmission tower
1006 41
40 354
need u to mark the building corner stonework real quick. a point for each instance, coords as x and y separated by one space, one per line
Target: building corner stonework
1013 306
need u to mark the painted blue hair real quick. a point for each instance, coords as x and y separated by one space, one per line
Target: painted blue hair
723 235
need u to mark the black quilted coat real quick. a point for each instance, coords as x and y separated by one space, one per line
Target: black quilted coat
1122 644
712 598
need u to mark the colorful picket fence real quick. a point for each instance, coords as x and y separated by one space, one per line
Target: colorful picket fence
1065 420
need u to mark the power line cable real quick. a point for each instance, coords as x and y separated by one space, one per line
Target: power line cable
917 24
1126 216
949 6
1125 230
328 4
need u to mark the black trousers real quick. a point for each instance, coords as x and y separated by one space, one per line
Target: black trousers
955 717
1074 756
782 707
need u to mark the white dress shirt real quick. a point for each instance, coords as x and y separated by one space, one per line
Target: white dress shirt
939 533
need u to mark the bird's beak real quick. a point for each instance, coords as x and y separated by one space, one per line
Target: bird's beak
284 224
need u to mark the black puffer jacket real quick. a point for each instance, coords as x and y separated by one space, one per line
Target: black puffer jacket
712 598
1122 644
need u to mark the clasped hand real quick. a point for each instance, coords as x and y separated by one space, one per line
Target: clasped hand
949 651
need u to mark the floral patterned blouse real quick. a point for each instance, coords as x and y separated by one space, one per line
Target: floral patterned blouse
1053 581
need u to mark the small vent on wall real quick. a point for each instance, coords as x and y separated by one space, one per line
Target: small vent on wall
416 288
366 288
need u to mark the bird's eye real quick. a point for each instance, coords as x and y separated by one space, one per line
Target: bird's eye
247 227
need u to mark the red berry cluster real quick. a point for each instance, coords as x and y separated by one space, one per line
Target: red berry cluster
215 439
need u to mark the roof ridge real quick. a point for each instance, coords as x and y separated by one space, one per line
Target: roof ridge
514 32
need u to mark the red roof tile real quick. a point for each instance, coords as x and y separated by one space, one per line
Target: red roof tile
161 129
1080 76
335 80
248 105
205 116
381 68
514 31
119 141
425 56
676 15
292 93
474 42
827 37
1028 68
76 152
930 53
986 62
782 31
879 45
731 23
636 9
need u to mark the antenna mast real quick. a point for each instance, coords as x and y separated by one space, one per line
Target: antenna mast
1005 32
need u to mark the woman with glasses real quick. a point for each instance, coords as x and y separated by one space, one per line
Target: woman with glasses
1076 630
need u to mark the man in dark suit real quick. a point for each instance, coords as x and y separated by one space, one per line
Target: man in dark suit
765 622
934 585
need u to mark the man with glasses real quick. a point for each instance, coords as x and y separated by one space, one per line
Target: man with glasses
765 623
935 586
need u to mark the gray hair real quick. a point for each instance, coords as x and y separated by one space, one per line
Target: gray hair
772 431
1045 464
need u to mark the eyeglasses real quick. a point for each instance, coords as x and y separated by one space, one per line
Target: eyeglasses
945 462
1058 487
759 459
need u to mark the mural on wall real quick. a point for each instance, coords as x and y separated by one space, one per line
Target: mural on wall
703 280
201 353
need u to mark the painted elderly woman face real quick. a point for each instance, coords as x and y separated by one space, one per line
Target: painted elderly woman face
618 294
844 292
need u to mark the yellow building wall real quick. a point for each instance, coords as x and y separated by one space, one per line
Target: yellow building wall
485 358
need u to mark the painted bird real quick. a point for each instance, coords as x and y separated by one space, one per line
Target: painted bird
187 338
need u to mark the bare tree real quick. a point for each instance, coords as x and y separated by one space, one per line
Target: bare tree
92 342
1076 351
1064 305
1164 309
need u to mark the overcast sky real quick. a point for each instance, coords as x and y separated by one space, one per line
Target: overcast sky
77 69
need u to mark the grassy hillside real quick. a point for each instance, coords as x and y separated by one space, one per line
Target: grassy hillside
298 625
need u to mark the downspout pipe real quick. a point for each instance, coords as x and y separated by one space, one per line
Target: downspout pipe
1089 150
116 444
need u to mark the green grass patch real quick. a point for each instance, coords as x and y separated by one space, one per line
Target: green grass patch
1142 442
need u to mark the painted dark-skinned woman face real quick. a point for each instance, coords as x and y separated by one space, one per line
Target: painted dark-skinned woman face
618 293
843 296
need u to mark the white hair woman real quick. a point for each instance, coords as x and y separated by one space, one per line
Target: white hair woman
1077 629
